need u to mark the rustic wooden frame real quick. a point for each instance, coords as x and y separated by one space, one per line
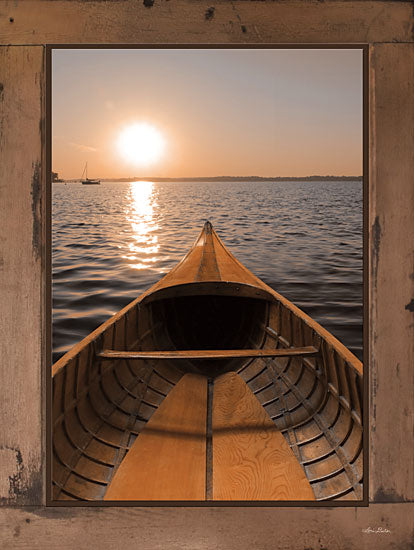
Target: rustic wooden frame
25 28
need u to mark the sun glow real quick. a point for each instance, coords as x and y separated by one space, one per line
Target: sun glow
141 144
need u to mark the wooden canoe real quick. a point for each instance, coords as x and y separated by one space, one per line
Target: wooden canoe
209 386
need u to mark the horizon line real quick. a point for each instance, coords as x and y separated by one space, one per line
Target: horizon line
206 178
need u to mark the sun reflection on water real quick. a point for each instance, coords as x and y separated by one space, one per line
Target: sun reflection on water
144 245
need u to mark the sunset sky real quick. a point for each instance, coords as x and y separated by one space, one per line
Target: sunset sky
195 112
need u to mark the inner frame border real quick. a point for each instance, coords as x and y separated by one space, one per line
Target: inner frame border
364 502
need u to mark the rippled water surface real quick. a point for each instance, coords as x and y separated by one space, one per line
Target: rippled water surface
114 240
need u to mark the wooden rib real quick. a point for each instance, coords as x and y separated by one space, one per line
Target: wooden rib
251 458
126 437
207 354
331 436
287 431
168 459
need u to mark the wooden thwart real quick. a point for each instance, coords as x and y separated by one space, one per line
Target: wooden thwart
208 354
251 458
168 459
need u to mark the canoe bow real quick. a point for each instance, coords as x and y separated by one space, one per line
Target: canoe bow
209 268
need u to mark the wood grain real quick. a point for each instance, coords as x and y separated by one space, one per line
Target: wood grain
224 528
22 259
391 225
168 459
208 354
251 459
208 268
185 21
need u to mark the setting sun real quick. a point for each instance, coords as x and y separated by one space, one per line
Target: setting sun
141 144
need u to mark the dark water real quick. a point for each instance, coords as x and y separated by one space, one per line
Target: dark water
111 242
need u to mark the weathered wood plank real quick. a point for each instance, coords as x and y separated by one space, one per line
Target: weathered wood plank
21 284
251 458
168 459
186 21
40 21
391 223
387 527
208 354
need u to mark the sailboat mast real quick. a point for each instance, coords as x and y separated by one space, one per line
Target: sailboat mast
85 171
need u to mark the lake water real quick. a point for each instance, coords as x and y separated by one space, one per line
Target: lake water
112 241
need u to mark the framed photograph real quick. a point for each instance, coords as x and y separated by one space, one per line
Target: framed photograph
31 516
229 369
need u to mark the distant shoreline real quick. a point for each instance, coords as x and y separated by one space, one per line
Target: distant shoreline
225 179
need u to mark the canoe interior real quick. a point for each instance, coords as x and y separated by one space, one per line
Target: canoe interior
209 322
101 406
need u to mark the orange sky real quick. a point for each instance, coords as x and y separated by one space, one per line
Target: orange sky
220 112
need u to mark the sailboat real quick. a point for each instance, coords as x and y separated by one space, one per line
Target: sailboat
88 181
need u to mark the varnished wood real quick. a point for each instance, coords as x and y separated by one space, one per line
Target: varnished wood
110 396
251 459
208 354
168 460
209 261
208 268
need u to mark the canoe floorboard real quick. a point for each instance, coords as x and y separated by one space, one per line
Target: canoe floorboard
168 459
251 459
